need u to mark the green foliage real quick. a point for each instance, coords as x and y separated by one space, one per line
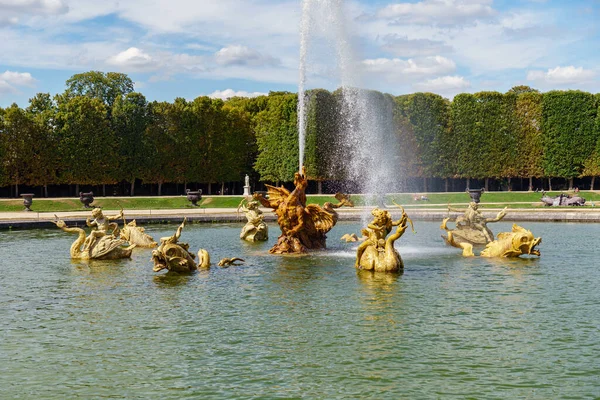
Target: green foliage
528 113
162 145
428 115
322 136
87 147
100 131
277 138
483 130
129 121
106 87
591 166
568 131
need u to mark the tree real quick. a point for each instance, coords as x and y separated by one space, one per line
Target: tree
44 145
520 89
104 86
429 116
591 166
277 138
161 146
484 132
322 137
87 146
568 132
129 121
528 113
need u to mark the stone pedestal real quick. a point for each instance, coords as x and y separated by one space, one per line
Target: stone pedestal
246 190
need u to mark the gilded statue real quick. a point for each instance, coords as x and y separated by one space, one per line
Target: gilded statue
351 237
377 252
227 262
513 244
101 224
99 245
174 255
136 235
303 227
471 229
255 229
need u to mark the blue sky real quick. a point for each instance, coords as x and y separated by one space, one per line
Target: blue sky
188 48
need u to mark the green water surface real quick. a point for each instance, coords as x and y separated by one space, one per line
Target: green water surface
302 327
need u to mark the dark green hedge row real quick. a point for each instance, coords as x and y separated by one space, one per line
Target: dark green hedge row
99 132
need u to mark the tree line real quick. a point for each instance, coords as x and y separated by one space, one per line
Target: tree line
100 132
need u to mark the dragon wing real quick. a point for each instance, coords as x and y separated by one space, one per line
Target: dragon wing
322 220
277 194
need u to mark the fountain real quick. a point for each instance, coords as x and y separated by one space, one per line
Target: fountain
366 118
303 226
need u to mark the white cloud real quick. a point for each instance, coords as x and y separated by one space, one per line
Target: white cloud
13 12
34 6
132 59
242 55
7 20
228 93
443 84
10 80
399 68
439 12
562 75
402 46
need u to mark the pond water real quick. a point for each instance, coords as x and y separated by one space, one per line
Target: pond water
301 327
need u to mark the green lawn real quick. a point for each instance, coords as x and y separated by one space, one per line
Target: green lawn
529 200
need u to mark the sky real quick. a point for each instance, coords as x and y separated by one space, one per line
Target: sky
221 48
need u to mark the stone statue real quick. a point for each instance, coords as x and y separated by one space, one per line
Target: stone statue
136 235
99 245
255 229
302 226
562 200
471 229
175 256
247 180
513 244
377 252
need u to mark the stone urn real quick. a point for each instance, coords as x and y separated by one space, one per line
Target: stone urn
475 194
86 199
194 197
27 200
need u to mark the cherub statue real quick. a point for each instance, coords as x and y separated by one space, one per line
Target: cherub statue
378 229
101 225
377 252
255 229
471 228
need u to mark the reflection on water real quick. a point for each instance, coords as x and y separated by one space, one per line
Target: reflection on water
294 327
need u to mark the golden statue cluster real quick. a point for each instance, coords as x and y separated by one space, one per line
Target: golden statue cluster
471 230
377 252
107 241
303 227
